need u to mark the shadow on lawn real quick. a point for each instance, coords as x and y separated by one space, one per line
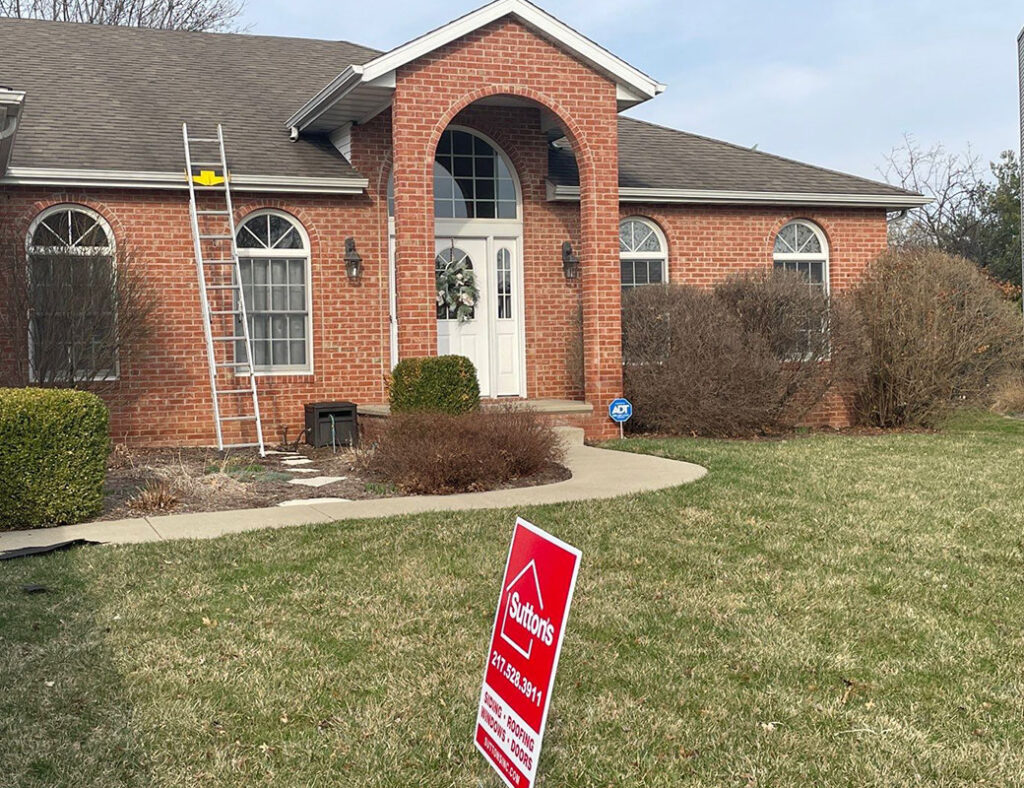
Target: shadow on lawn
65 718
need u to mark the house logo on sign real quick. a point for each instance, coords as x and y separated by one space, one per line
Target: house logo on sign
523 622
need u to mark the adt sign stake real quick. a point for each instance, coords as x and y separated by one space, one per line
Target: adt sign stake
620 410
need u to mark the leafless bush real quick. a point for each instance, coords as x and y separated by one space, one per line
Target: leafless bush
938 334
81 316
435 453
748 357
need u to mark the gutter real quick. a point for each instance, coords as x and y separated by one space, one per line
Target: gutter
12 104
326 98
128 179
560 193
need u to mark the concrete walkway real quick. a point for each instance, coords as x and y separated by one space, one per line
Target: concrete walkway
596 473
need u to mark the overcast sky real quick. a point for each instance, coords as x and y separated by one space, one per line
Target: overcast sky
833 83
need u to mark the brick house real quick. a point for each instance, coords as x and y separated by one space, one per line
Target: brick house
495 141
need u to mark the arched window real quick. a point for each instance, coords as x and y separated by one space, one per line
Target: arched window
472 180
72 296
643 253
801 246
273 254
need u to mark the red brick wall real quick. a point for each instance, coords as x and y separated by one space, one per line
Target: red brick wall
506 58
164 396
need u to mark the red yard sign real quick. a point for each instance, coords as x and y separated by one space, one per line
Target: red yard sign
528 627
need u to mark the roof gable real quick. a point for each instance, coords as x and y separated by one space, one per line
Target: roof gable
322 113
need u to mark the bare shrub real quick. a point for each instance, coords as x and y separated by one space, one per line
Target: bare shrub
81 316
745 358
195 15
938 334
435 453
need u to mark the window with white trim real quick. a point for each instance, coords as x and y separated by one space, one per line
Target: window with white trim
72 296
471 179
801 246
643 253
273 255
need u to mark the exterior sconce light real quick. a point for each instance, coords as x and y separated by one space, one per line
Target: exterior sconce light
570 262
353 262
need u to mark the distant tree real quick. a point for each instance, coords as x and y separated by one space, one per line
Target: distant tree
195 15
974 213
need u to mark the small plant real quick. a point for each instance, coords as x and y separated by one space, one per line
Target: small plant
156 496
438 384
440 453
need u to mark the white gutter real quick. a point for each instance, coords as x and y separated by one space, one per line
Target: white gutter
12 104
325 99
558 193
123 179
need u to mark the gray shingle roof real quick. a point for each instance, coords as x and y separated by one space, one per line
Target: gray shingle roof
114 98
655 157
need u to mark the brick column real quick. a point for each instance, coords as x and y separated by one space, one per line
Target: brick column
414 228
600 272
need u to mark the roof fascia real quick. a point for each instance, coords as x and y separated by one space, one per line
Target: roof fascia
561 193
131 179
634 81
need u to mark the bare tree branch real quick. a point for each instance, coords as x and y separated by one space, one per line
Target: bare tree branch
195 15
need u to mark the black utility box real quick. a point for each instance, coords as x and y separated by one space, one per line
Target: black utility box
331 424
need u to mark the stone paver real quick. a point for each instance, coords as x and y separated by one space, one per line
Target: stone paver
308 501
297 461
596 473
318 481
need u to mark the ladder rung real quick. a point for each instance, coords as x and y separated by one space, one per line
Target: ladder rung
222 287
218 262
203 139
238 418
234 391
232 312
213 213
216 237
233 364
227 339
207 164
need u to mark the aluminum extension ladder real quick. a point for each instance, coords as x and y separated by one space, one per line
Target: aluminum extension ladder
225 319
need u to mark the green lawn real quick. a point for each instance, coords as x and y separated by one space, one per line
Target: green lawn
840 611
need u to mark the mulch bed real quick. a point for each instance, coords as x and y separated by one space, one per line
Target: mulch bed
144 482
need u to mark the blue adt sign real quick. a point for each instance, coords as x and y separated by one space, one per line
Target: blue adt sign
620 410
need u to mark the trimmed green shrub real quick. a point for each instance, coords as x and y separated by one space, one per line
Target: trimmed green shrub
436 384
53 456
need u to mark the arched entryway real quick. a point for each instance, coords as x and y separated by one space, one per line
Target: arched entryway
478 230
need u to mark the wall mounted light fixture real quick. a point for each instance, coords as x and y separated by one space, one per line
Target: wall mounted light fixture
570 262
353 262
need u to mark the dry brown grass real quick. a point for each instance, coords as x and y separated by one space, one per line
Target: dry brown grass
155 497
1008 395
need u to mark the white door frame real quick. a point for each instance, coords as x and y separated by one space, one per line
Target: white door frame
495 231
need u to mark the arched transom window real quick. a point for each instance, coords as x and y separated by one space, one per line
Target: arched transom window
72 296
472 180
643 253
273 255
801 246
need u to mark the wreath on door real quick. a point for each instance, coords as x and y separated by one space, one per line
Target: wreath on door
456 286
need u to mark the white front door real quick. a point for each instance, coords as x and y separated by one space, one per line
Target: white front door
492 337
469 337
